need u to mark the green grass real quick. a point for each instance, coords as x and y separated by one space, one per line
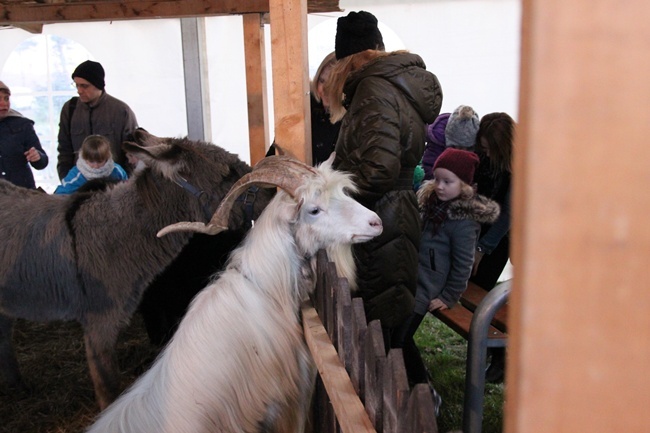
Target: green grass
445 354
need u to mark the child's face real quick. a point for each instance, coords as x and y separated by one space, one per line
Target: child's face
93 164
448 185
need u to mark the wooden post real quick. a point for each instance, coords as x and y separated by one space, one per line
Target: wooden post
290 77
580 341
254 43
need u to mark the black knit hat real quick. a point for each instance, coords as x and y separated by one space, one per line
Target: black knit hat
91 72
357 32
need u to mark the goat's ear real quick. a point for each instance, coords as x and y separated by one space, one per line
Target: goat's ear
296 212
328 163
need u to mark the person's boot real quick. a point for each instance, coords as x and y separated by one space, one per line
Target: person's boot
495 371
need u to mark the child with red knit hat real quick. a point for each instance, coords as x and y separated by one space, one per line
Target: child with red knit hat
452 214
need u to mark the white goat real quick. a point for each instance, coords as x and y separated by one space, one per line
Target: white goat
239 362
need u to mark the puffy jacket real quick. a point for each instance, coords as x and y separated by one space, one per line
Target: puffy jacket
17 135
389 100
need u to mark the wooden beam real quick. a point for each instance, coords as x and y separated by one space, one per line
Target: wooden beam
580 329
26 12
57 11
35 28
290 77
258 122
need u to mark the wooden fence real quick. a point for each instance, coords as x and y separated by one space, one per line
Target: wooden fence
359 389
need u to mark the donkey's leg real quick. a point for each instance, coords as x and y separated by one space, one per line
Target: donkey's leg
9 372
100 340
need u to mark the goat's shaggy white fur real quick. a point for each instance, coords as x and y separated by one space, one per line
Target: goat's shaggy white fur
239 362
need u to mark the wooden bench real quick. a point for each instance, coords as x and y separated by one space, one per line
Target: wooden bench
481 318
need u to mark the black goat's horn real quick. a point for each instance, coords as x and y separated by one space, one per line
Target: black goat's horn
279 171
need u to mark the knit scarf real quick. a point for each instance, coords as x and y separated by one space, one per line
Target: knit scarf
95 173
436 212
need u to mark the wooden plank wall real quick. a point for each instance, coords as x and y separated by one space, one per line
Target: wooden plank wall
254 46
580 341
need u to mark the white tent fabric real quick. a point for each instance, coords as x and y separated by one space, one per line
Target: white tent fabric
471 45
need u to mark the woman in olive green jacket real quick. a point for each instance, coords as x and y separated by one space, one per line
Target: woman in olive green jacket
385 101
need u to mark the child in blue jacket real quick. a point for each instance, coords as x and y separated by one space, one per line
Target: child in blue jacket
95 162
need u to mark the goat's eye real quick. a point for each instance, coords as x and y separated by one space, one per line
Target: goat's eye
314 211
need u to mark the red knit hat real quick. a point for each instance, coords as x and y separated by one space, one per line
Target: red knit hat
460 162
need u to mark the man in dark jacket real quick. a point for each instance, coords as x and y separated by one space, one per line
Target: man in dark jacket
389 98
93 112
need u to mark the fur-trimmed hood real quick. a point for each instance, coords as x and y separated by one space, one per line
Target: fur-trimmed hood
403 70
478 208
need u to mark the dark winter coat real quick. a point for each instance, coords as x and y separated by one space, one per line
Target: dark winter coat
447 251
323 132
495 185
389 100
109 117
17 136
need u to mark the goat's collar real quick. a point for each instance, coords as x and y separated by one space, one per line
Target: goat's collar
247 199
201 196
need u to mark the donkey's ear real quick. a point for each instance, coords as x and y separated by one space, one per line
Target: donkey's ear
163 157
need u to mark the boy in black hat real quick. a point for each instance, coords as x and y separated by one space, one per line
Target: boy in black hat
92 112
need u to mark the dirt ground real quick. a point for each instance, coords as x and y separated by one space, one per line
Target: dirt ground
52 361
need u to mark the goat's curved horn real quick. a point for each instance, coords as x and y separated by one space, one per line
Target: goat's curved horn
282 171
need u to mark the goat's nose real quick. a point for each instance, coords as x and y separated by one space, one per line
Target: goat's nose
376 222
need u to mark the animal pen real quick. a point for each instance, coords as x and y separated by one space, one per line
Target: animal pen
580 328
359 387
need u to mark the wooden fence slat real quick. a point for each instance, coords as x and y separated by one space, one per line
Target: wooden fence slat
331 277
319 294
421 413
396 391
349 410
374 365
344 323
359 332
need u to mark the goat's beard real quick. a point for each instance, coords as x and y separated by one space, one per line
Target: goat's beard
341 255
